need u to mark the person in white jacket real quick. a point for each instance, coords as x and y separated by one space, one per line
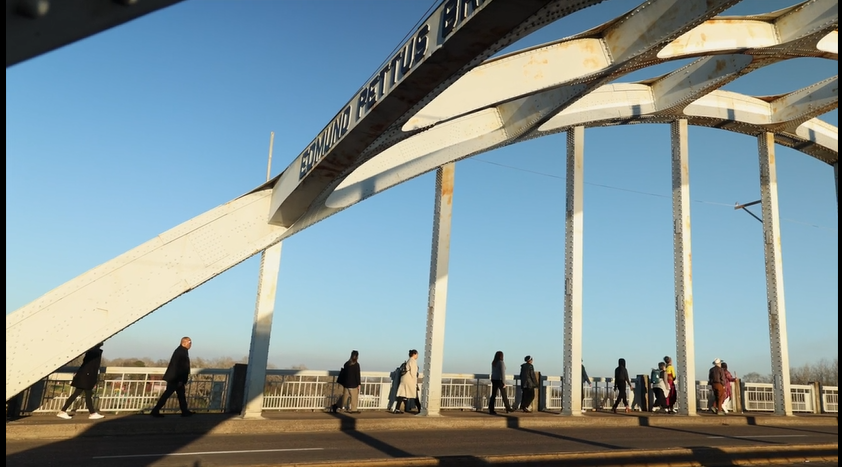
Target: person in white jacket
408 388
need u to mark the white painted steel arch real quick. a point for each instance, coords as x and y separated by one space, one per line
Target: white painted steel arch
527 94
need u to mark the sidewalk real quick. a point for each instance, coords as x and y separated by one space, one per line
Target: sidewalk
48 426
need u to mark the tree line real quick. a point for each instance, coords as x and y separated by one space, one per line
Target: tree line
824 371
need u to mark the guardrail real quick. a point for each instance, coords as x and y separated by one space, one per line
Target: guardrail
135 389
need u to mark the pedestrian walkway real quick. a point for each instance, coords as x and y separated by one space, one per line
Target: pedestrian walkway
48 426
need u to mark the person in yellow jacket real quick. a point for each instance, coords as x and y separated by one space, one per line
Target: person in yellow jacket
672 395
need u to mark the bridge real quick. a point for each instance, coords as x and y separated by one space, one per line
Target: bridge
442 98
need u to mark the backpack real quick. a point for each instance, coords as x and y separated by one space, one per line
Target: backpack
403 369
655 377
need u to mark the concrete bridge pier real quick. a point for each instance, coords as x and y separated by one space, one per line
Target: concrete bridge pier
574 219
685 356
774 272
437 299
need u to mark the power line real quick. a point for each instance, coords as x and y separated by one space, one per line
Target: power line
639 192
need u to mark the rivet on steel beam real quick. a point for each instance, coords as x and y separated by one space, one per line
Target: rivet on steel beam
33 8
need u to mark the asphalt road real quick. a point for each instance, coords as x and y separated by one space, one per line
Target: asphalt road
457 447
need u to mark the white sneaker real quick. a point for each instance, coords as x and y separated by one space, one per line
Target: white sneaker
95 416
64 415
584 410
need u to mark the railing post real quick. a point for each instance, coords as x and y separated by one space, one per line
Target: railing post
738 397
478 395
817 397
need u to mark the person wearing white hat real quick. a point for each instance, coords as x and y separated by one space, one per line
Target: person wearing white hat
716 379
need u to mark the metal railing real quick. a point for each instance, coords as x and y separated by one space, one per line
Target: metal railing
761 397
134 389
600 394
830 399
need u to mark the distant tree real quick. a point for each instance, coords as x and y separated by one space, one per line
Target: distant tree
299 367
754 377
801 375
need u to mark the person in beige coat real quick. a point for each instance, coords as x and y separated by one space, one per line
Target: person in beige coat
408 388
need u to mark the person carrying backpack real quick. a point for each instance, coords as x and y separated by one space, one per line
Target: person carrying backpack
658 382
408 388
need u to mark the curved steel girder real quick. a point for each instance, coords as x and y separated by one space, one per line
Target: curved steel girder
630 42
374 116
610 105
807 30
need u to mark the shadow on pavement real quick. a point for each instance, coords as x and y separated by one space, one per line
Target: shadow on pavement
514 423
349 427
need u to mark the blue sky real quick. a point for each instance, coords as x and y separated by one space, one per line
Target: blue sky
121 136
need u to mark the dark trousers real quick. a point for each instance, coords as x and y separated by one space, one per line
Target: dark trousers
621 395
719 395
89 399
526 398
497 385
660 398
178 388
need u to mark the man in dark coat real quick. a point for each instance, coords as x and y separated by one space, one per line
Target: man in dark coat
528 384
176 376
85 380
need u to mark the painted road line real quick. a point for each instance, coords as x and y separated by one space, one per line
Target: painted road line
756 436
221 452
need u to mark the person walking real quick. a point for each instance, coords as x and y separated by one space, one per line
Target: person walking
176 376
84 381
350 379
408 388
586 381
672 394
621 383
528 384
658 381
728 391
716 380
498 383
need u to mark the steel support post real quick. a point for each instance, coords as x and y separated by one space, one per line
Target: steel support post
774 273
572 384
685 355
836 182
270 265
437 299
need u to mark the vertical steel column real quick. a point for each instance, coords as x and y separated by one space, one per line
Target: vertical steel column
572 384
836 182
437 299
270 265
774 273
685 355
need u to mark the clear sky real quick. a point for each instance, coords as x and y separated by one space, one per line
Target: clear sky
121 136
